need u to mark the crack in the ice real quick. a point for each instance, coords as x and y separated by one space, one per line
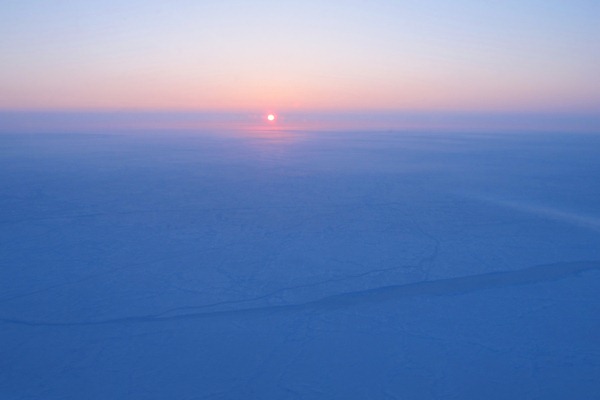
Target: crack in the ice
440 287
420 266
284 290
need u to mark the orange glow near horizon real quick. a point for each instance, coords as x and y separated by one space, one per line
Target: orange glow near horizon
300 57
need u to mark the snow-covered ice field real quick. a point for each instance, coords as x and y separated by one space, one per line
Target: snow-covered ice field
248 264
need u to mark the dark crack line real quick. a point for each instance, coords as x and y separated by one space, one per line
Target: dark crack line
440 287
286 290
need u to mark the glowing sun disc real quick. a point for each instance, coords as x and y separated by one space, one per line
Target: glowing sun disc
271 117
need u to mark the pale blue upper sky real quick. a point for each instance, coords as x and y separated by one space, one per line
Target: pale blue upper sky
507 55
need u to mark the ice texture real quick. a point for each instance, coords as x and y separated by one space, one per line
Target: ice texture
249 264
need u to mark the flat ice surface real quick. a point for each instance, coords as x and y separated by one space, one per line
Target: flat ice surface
313 265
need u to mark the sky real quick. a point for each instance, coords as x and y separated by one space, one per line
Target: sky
496 56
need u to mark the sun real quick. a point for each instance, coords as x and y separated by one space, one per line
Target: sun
271 117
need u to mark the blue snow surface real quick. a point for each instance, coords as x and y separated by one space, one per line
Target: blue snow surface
249 264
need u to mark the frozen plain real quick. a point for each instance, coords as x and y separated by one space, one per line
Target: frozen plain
248 264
